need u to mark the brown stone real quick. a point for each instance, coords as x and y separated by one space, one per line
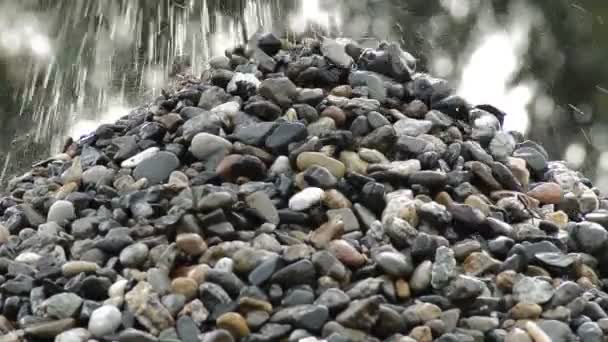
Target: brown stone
505 280
444 199
237 166
520 171
402 288
233 323
478 263
198 273
422 334
346 253
327 232
247 304
191 244
335 113
171 121
334 199
526 311
342 90
547 193
185 286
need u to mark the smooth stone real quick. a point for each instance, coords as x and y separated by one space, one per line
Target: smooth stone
62 305
61 212
590 332
591 236
49 329
346 253
532 290
209 148
280 90
72 268
157 168
322 126
187 329
549 331
300 272
534 158
263 205
336 113
138 158
308 316
234 323
284 134
105 321
191 244
184 286
547 193
134 255
394 264
97 174
74 335
421 278
306 198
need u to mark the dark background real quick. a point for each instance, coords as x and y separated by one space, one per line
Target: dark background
66 66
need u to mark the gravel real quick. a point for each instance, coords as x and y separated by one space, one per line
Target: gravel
320 191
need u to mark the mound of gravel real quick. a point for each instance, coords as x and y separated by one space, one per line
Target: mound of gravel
309 192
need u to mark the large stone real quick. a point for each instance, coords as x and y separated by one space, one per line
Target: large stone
157 168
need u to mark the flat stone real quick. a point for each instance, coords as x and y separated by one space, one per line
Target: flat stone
263 205
62 305
157 168
138 158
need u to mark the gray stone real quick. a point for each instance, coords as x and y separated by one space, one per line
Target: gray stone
395 264
412 127
309 317
134 255
591 236
157 168
263 205
444 267
62 305
210 149
532 290
335 52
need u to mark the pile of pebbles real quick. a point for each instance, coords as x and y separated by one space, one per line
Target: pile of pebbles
318 191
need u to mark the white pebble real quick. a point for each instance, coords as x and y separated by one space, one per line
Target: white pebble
118 288
306 199
138 158
224 264
28 258
104 320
